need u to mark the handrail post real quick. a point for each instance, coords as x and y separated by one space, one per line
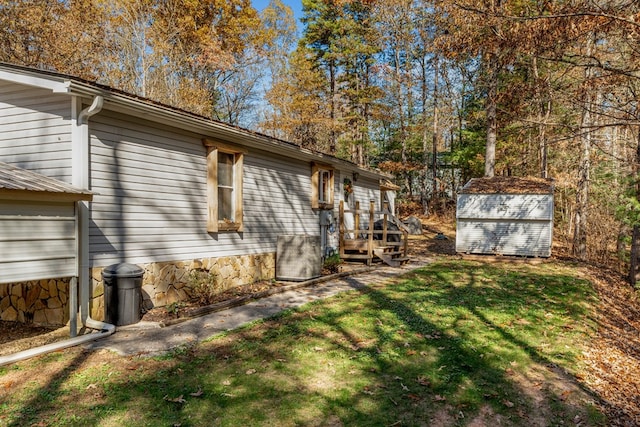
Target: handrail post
370 235
405 234
385 209
341 229
356 220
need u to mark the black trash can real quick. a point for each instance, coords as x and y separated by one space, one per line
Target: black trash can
122 293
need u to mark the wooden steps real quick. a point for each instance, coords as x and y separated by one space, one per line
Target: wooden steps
389 256
373 243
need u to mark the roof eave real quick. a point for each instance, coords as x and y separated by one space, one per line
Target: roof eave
33 80
43 196
212 129
163 114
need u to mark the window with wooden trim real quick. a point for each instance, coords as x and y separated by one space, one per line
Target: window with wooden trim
224 187
322 179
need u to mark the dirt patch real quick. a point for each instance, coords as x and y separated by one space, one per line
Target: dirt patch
438 238
187 308
16 336
183 309
12 331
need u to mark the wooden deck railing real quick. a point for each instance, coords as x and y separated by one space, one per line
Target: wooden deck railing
363 245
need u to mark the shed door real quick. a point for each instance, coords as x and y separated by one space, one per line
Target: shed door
37 240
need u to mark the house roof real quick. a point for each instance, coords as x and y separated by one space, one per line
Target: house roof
508 185
137 106
385 184
21 184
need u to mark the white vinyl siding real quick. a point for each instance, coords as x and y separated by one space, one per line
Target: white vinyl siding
149 179
365 190
521 238
505 224
506 206
35 130
276 198
37 241
151 205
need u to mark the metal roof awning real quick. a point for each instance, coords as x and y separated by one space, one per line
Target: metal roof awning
21 184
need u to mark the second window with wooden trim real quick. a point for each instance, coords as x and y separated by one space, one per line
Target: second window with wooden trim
224 187
322 182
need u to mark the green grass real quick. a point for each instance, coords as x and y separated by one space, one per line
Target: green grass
450 343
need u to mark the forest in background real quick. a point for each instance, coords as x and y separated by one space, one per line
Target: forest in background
435 92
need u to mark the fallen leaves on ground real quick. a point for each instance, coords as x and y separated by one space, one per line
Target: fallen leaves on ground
178 399
612 362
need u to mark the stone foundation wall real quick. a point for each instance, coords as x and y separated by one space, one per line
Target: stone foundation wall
43 302
166 283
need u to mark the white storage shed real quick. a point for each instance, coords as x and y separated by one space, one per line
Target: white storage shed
505 216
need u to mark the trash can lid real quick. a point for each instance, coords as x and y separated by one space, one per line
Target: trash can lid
122 270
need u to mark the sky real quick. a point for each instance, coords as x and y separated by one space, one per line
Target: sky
295 5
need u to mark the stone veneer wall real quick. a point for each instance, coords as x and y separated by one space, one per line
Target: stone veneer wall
165 283
43 302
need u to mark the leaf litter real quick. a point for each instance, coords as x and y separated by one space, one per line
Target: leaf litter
612 362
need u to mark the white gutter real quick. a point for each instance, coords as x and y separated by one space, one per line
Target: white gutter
129 104
34 80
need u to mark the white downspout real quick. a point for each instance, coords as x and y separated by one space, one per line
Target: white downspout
81 159
73 284
80 178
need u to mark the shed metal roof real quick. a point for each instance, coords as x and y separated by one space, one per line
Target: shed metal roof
508 185
23 184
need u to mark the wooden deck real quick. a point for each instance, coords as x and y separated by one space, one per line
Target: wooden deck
369 244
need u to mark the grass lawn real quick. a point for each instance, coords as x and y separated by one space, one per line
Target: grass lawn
454 343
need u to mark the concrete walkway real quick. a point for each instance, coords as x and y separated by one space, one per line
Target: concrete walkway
152 339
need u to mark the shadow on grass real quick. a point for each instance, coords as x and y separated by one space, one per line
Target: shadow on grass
455 371
43 400
436 348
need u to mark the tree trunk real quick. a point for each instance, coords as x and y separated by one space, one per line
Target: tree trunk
543 105
635 253
425 139
333 148
635 237
582 192
492 122
434 168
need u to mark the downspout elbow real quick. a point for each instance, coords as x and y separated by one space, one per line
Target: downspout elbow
93 109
